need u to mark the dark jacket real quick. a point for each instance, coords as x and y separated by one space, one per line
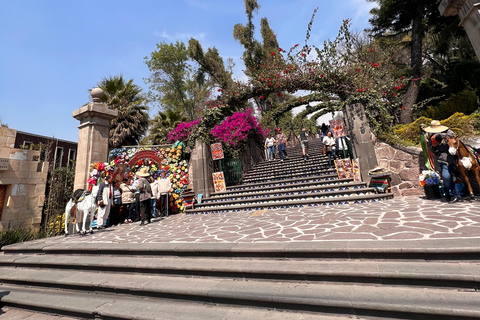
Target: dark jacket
441 150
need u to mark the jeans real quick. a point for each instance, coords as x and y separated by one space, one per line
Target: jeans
448 183
330 155
281 150
153 205
271 152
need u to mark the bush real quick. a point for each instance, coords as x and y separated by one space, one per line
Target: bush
465 102
19 234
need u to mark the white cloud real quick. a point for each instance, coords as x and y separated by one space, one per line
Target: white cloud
180 36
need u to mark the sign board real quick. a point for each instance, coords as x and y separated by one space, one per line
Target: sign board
4 164
338 127
217 151
356 170
344 168
219 182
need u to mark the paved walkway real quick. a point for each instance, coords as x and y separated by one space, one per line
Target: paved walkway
403 218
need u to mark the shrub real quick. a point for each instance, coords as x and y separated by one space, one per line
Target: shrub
465 101
19 234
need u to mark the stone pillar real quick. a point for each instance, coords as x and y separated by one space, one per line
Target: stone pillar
469 14
361 138
93 136
201 160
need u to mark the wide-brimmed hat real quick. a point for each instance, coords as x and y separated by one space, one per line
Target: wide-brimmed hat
435 127
143 172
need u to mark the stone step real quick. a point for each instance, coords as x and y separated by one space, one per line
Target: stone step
292 160
286 203
285 182
86 305
101 291
413 273
282 176
294 195
419 250
279 166
297 187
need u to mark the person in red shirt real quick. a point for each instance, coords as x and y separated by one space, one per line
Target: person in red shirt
281 144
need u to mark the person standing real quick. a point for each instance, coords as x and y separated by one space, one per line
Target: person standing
329 142
117 204
104 201
281 144
270 147
153 204
164 186
145 195
303 136
446 161
128 199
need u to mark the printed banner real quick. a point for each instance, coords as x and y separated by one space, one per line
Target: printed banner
338 127
219 182
344 168
356 170
217 151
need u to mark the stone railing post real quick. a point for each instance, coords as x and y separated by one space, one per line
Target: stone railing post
201 160
361 138
93 136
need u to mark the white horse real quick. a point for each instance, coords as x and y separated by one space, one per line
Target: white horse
87 205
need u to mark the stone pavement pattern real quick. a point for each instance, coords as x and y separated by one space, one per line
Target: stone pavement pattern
403 218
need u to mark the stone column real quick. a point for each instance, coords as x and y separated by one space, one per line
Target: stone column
469 13
361 138
201 160
93 136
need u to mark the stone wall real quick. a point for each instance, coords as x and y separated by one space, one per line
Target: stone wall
25 180
405 164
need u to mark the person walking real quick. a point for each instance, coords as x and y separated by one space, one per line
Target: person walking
329 143
303 136
281 144
104 201
145 196
128 199
447 162
270 147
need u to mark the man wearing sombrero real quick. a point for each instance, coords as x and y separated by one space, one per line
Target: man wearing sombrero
447 162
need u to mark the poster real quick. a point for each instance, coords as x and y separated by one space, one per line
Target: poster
217 151
344 168
356 170
338 127
219 182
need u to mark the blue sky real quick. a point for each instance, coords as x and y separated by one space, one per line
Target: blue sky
53 51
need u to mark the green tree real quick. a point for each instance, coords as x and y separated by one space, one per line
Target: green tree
127 98
162 124
408 18
175 83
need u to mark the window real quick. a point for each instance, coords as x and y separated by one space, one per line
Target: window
27 144
58 158
71 157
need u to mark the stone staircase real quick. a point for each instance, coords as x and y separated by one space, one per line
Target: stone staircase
318 280
293 183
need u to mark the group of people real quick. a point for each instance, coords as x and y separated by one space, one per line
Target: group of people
279 141
331 144
133 199
436 141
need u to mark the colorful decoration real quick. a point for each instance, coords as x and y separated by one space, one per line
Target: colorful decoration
429 178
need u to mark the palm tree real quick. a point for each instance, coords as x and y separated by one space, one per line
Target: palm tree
162 124
132 121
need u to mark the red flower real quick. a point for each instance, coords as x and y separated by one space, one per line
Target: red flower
296 45
360 90
280 94
402 77
376 65
261 97
372 50
402 108
272 54
280 49
303 54
321 76
397 88
300 99
358 70
219 90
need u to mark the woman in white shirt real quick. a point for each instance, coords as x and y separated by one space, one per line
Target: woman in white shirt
329 142
270 146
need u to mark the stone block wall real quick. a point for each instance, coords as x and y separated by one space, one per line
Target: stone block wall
405 164
25 180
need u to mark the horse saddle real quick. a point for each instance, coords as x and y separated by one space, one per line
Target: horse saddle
78 196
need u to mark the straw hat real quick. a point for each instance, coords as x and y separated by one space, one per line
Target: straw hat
143 172
435 127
